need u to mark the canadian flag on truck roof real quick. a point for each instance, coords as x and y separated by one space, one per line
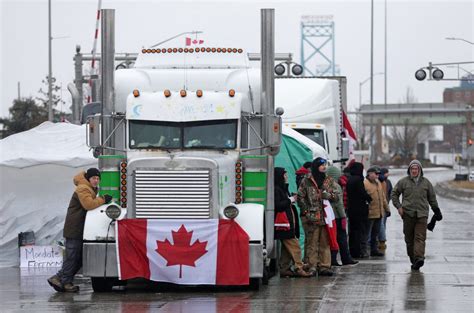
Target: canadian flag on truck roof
190 41
187 252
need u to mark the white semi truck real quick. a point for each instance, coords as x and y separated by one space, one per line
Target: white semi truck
186 133
313 107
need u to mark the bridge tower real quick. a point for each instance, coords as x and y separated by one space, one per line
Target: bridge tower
318 51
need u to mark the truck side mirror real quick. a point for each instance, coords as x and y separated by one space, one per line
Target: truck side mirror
274 134
93 130
345 149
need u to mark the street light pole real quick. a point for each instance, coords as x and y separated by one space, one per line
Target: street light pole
362 84
371 78
50 66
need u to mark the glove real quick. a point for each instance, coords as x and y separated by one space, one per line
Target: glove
431 225
388 214
325 195
107 198
437 214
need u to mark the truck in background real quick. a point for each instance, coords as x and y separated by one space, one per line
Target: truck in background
313 107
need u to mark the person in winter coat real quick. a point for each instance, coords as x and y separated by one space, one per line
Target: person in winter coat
302 172
418 195
341 223
314 188
346 173
387 187
378 208
83 199
287 228
357 211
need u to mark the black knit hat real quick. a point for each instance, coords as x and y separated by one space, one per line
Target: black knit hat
92 172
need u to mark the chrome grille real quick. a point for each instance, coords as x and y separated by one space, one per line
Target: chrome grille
172 194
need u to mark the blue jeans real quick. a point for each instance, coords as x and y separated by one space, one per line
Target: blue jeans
373 229
383 227
72 262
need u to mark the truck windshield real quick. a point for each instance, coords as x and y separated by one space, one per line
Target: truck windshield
218 134
316 135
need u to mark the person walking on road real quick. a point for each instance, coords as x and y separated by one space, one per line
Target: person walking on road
287 227
418 195
357 211
83 199
378 208
387 187
315 188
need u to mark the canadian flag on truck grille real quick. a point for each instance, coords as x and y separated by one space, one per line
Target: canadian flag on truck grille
188 252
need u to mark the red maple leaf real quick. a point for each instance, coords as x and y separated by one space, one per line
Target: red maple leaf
182 252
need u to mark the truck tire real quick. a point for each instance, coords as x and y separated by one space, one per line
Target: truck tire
255 284
101 284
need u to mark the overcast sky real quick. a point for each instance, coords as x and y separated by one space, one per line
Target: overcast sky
416 36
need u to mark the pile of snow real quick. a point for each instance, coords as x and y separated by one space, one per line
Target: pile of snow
36 171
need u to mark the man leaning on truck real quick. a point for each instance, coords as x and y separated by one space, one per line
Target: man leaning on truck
84 199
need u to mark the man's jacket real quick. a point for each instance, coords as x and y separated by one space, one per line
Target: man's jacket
84 199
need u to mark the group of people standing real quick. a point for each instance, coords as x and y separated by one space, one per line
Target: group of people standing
360 207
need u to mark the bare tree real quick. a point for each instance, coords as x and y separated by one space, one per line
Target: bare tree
404 138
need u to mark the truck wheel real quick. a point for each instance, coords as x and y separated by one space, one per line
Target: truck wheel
266 275
255 284
101 284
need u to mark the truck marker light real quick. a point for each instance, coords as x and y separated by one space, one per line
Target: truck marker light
238 170
170 50
191 50
186 50
213 50
234 50
229 50
167 93
124 188
123 176
238 176
136 93
224 50
240 51
164 51
158 50
238 182
208 49
198 50
153 50
199 91
182 93
232 91
238 188
143 50
219 50
175 50
180 50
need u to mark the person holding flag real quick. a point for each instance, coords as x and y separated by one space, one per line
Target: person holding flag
313 190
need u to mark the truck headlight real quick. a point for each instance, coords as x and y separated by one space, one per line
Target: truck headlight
231 211
113 211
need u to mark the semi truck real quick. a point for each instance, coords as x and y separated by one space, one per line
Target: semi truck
313 107
186 133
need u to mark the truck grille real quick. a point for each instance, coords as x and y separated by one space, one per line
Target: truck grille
163 194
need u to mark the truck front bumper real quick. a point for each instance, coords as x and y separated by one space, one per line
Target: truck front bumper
95 265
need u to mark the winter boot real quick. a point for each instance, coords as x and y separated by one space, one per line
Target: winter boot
55 282
382 246
419 262
69 287
334 259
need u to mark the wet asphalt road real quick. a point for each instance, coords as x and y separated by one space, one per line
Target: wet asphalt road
383 284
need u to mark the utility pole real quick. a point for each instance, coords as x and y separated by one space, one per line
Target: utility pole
50 66
372 152
19 93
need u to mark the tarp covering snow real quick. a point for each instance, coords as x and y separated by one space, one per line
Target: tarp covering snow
48 143
36 172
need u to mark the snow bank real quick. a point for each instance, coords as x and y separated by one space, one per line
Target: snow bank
36 171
